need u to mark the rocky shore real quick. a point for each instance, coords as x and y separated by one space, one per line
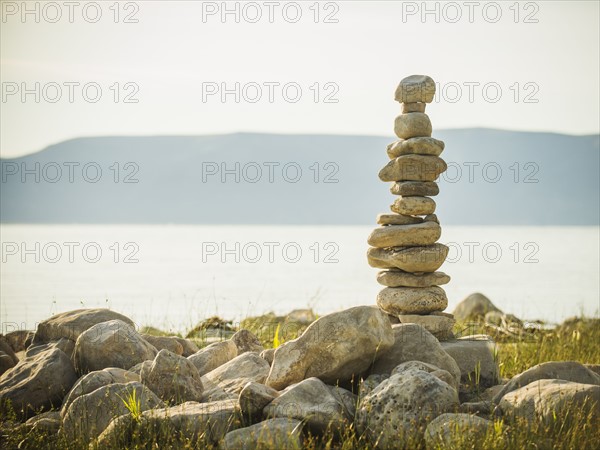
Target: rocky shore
89 378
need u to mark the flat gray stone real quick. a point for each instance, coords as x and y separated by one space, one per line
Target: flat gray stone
397 219
415 146
399 278
408 259
413 168
411 188
425 233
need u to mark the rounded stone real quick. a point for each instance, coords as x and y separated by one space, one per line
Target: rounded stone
413 206
425 233
410 259
415 88
397 219
438 325
412 188
413 168
411 125
416 146
413 107
408 300
399 278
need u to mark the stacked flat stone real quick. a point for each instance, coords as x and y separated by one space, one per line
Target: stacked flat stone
406 243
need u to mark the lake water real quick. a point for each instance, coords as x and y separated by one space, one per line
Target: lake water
172 276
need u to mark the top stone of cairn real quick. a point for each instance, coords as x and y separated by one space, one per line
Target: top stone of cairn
415 88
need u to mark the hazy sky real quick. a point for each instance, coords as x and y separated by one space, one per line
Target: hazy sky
530 67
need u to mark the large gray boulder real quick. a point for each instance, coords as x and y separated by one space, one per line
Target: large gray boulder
19 340
477 360
37 383
64 344
447 429
94 380
173 378
395 413
334 348
213 356
552 400
474 308
557 370
71 324
88 415
228 380
280 434
110 344
170 343
254 397
315 404
199 424
246 341
412 342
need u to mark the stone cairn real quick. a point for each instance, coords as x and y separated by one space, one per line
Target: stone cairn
405 244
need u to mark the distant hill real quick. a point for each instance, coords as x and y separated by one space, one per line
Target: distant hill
546 179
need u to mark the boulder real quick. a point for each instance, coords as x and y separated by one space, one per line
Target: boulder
19 340
415 343
228 380
37 383
254 397
48 422
110 344
71 324
268 355
437 323
281 434
552 400
477 360
443 375
474 307
88 415
246 341
395 413
213 356
6 362
64 344
173 378
7 349
189 347
563 370
335 347
447 429
312 402
367 385
170 343
94 380
200 424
